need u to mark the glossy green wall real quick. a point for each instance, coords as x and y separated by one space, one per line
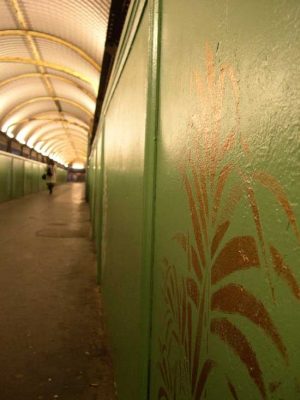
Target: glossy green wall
122 212
226 276
199 212
20 176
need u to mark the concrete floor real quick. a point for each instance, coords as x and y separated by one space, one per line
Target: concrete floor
52 342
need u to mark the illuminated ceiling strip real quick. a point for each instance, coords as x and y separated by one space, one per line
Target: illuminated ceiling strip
54 39
51 137
45 64
45 98
49 122
37 136
32 136
47 145
37 57
48 75
49 134
56 146
59 148
35 52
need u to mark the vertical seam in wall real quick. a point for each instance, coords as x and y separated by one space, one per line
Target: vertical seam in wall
150 175
100 215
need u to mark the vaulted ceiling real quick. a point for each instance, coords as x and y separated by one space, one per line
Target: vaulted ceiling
50 61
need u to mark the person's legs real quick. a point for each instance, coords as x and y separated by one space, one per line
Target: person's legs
50 187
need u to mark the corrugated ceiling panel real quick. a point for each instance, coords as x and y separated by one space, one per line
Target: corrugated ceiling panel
68 108
68 23
8 70
13 46
7 21
80 22
61 88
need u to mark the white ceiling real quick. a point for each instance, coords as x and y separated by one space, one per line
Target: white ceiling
50 61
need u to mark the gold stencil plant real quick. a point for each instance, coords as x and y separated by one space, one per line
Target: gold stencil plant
198 303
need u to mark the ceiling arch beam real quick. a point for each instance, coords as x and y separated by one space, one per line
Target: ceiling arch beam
48 122
44 116
35 75
44 98
47 145
33 136
45 64
50 134
53 39
51 137
59 147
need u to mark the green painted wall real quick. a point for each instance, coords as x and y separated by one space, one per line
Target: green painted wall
28 177
20 176
18 182
226 277
122 221
5 177
199 209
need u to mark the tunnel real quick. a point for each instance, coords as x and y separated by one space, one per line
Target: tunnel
149 199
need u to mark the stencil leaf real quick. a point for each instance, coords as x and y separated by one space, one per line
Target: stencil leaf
232 390
183 241
274 186
224 174
238 254
236 299
206 369
231 335
221 230
195 219
198 339
192 291
285 272
162 394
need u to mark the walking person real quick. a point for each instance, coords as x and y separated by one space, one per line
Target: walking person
50 175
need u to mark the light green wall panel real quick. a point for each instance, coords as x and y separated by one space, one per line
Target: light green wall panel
42 184
226 312
5 177
17 177
98 206
36 177
28 177
20 176
61 176
91 178
122 215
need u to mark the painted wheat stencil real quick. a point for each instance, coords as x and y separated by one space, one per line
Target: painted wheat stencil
199 302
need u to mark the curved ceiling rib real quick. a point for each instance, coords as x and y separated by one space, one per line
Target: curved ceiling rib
45 64
31 136
39 75
44 98
52 38
49 121
39 135
53 133
51 62
47 144
58 147
76 132
46 116
50 144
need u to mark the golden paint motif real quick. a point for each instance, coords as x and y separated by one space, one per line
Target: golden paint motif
198 303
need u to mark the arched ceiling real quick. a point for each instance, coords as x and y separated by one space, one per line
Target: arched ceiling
50 61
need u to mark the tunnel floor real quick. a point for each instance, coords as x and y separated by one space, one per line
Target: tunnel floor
52 339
